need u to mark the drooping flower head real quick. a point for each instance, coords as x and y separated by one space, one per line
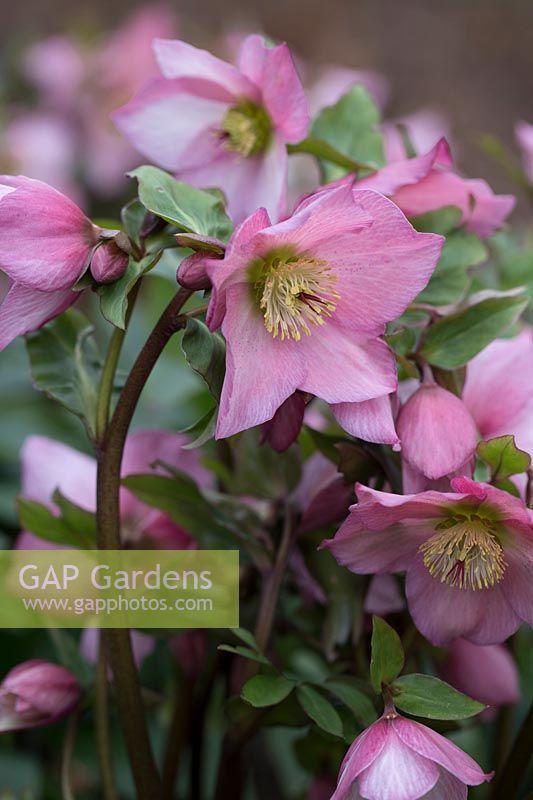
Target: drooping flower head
303 304
400 759
467 555
213 124
36 693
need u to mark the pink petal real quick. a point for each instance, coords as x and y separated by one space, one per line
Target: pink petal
438 434
179 59
392 177
172 125
431 745
383 596
448 787
524 137
488 674
443 613
283 429
371 420
44 237
518 584
398 773
48 465
147 446
361 755
272 69
261 372
25 310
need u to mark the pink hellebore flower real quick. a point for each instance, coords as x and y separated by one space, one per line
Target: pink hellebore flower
399 759
213 124
488 674
303 304
46 244
427 183
467 555
36 693
48 465
524 137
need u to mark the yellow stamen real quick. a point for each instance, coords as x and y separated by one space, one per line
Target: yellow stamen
295 292
465 554
246 129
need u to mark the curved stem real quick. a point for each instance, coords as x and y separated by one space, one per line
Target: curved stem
66 762
118 644
109 791
513 773
323 150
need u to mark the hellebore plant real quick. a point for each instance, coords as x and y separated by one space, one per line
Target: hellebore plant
357 338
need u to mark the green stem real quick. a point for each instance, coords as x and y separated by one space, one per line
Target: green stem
326 152
514 771
109 791
118 644
66 761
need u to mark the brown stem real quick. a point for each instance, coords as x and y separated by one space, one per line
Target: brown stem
128 694
107 778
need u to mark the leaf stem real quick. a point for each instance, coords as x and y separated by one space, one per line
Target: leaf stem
323 150
109 451
513 773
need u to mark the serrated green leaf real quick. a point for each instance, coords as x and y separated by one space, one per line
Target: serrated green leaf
206 354
454 340
387 658
189 209
350 126
426 696
503 457
266 690
357 701
319 709
65 364
114 296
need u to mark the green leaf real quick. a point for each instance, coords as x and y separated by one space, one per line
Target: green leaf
426 696
266 690
206 354
387 658
319 709
132 216
246 637
65 364
114 296
450 279
453 341
503 457
78 519
357 701
350 126
40 520
245 652
443 221
201 431
190 209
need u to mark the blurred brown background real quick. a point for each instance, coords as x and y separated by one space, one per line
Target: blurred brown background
472 59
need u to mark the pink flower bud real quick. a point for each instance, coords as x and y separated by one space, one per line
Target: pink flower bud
36 693
192 273
108 262
399 759
437 432
282 430
488 674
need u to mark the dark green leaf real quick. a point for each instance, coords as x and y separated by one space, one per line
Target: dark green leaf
190 209
245 652
114 296
206 354
387 654
357 701
503 457
426 696
202 431
132 216
350 126
453 341
266 690
450 279
319 709
65 362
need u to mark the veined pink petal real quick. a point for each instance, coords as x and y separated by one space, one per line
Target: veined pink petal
108 263
361 755
371 420
518 586
173 125
48 465
179 59
44 237
272 69
24 310
448 787
392 177
431 745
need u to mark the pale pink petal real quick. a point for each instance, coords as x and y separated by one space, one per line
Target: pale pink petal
25 310
431 745
29 541
371 420
443 613
437 432
518 584
48 465
172 125
272 69
398 773
179 59
448 787
44 237
390 178
488 674
524 137
361 755
384 596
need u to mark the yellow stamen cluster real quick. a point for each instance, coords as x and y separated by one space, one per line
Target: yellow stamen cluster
246 129
465 553
294 293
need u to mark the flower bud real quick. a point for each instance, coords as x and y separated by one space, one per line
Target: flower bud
36 693
486 673
437 432
108 263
